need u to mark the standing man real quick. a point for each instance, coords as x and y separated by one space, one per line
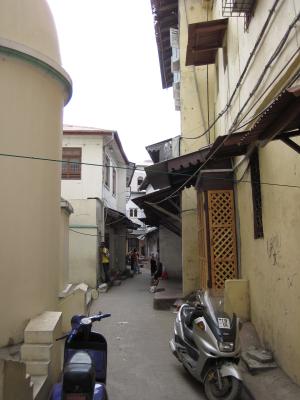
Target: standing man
135 261
104 254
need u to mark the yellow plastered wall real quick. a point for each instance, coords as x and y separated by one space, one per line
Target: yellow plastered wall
270 264
197 110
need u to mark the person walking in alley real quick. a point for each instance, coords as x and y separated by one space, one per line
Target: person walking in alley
135 261
104 253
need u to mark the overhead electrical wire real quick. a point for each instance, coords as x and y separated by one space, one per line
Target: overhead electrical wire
232 129
161 172
81 233
268 65
252 54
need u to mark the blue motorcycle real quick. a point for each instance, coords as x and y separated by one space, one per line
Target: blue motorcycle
85 362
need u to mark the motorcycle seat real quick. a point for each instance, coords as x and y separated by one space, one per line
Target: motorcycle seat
79 374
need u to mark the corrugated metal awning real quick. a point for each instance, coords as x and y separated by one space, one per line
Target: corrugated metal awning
204 40
280 121
165 14
176 171
116 217
161 210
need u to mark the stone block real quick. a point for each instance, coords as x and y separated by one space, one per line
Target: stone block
255 366
74 303
44 328
37 368
36 352
260 355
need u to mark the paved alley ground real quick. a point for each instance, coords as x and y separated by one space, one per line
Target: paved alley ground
140 364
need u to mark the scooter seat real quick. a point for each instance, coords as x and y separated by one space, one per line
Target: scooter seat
79 374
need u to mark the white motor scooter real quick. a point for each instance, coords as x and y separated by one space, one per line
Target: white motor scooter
206 342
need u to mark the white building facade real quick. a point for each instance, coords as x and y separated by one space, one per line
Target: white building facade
94 180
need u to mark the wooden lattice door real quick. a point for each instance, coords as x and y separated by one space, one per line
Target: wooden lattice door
222 234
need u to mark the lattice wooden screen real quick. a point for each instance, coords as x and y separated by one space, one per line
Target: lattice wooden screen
222 236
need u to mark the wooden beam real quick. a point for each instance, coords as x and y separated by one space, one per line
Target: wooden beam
281 122
291 144
163 211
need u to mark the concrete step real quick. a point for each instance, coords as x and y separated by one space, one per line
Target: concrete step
42 329
164 299
260 355
166 293
36 352
255 366
41 387
37 368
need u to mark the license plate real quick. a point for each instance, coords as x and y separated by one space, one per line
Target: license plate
224 323
76 396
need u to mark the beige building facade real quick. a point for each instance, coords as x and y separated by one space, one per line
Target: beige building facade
239 88
34 90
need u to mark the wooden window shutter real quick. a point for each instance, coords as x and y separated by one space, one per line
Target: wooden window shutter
72 168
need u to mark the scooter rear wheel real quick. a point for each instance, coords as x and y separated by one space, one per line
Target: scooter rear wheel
230 391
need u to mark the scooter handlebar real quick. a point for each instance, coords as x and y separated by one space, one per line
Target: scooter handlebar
69 336
72 334
98 317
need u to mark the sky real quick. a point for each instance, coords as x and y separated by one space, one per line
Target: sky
109 50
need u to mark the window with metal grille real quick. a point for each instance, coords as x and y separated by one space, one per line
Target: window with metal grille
133 212
239 8
72 168
256 196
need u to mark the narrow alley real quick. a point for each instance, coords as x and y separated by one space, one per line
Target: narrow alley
140 364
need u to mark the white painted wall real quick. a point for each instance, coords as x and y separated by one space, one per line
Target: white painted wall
90 184
170 252
64 248
137 173
132 206
116 201
84 242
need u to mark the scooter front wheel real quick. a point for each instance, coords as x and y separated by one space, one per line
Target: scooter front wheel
231 387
